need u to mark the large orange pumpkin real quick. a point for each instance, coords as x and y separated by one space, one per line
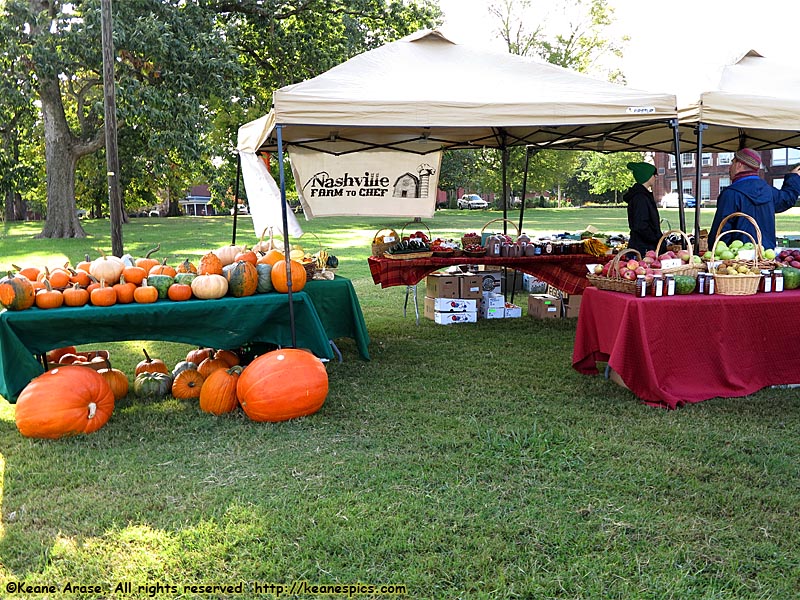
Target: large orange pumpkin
280 279
16 292
68 400
187 384
282 385
218 394
272 256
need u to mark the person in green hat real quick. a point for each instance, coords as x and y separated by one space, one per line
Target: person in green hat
643 219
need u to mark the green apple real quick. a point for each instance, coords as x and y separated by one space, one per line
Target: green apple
708 255
726 255
735 244
769 253
748 245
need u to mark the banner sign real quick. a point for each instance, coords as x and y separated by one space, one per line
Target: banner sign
375 183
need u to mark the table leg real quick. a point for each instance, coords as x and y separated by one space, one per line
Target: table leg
410 288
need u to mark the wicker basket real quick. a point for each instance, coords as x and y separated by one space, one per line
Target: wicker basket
485 235
615 282
477 254
690 269
752 221
380 243
744 284
428 229
407 255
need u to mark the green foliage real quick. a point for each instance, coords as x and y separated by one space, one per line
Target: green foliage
607 172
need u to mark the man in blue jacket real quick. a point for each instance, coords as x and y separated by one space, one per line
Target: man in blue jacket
751 195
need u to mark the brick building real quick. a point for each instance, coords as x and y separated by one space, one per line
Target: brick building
714 169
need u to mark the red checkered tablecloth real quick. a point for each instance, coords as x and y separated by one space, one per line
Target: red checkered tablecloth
565 272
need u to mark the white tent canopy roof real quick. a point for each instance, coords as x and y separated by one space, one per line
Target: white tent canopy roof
756 104
425 92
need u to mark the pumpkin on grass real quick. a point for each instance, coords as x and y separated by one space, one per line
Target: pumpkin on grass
152 384
65 401
212 363
187 384
150 365
198 355
282 385
218 394
116 380
228 356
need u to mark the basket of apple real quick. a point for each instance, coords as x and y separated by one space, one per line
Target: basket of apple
682 261
619 274
735 278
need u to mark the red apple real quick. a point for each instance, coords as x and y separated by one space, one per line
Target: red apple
632 264
629 274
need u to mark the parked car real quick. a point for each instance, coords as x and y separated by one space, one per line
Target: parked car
471 201
243 210
671 200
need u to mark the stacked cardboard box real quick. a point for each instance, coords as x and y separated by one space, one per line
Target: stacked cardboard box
445 301
544 306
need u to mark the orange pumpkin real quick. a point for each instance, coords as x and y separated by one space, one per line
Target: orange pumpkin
103 295
65 401
210 264
117 381
186 267
145 294
31 273
146 262
80 277
134 275
163 269
248 255
55 354
280 276
187 384
271 257
59 278
211 364
179 292
75 295
48 297
229 356
218 394
199 355
125 290
283 384
85 264
151 365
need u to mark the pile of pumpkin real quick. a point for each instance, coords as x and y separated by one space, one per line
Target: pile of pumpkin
108 280
71 399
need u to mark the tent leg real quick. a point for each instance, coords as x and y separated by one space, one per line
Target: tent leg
286 248
236 196
698 181
529 151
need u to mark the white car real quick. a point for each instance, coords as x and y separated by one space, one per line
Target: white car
471 201
671 200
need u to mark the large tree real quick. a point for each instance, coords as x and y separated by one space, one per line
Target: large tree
171 57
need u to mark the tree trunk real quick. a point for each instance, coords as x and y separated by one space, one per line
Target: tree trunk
60 159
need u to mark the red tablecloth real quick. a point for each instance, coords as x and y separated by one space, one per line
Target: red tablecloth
680 349
565 272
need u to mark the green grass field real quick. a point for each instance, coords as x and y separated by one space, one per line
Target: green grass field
460 462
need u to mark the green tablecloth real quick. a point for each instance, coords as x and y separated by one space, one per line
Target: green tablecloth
339 310
223 323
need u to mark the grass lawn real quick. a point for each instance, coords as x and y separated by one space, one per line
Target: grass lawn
460 462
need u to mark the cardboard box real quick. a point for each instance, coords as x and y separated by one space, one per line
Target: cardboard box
441 285
470 286
513 312
492 300
532 285
491 281
433 305
571 312
487 312
544 306
442 318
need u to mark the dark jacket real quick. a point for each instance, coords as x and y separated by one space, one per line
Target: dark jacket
755 197
643 219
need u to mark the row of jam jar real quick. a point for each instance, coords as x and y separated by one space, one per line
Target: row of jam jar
497 245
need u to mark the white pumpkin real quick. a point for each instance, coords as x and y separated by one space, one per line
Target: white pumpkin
227 254
108 268
209 287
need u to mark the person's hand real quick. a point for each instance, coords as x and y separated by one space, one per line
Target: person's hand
796 169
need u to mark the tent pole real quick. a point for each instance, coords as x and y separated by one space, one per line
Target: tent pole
678 171
529 151
236 195
286 250
698 181
504 197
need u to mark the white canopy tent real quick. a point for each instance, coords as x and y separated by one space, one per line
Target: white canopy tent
424 93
